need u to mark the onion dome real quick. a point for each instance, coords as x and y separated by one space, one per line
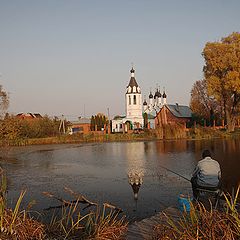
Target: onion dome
150 95
156 94
145 103
164 95
132 70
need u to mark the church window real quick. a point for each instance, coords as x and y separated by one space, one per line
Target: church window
134 99
134 89
129 100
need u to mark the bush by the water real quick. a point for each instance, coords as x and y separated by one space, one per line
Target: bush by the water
16 131
171 131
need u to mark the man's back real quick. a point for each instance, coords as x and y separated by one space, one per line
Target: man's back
208 172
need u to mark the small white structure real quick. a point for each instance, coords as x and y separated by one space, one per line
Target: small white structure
117 124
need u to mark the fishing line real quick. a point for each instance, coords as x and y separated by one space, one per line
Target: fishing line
175 173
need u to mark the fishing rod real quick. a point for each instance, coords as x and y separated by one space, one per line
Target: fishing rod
175 173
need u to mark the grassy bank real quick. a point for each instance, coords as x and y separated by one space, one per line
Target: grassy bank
167 133
79 138
209 133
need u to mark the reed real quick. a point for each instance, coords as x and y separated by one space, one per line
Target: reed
75 222
207 133
231 209
68 224
171 131
16 223
105 223
201 223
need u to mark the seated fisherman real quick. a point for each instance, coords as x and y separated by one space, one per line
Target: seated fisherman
206 175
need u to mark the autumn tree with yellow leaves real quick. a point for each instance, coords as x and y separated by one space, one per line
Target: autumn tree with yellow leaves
222 75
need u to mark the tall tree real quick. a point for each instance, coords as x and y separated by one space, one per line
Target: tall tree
101 120
145 120
201 103
93 123
222 74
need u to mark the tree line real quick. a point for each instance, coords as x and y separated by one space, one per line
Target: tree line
12 128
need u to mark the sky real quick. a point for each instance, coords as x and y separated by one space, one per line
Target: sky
74 57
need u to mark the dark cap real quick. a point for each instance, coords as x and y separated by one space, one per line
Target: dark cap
206 153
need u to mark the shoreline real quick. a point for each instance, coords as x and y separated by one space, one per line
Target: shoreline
119 137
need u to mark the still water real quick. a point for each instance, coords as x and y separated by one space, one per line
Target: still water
100 171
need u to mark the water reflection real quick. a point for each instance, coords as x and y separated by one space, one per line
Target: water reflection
135 155
135 179
172 146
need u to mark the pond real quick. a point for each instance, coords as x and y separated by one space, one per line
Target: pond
102 172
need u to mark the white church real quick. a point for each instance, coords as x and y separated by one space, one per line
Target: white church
135 108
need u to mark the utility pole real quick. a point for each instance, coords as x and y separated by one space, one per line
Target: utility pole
108 127
62 125
84 110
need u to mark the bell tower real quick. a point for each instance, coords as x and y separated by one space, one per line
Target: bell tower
133 101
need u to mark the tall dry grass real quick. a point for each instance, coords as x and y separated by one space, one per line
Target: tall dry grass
171 131
74 222
16 223
205 224
104 223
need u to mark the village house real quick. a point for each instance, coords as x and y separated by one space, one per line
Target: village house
173 114
29 116
82 125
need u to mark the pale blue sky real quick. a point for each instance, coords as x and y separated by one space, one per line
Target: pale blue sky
57 56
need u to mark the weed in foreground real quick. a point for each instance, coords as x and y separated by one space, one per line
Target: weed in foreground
14 223
203 224
105 223
98 223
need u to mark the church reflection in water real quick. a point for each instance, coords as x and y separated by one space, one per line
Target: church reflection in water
135 155
135 179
